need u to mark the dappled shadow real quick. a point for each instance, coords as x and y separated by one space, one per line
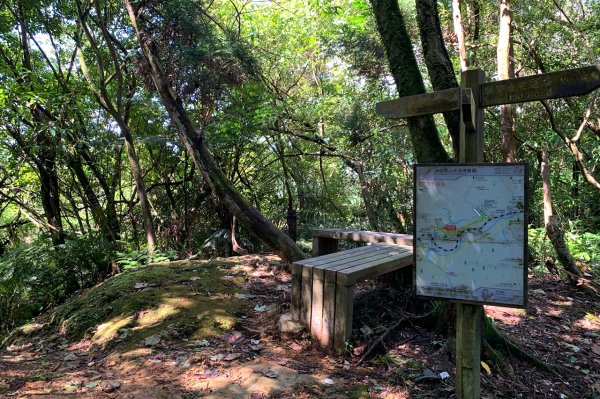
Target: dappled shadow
219 339
192 338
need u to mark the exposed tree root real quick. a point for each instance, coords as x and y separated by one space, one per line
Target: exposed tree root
493 341
379 340
497 340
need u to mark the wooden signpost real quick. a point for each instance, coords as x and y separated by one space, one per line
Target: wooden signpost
470 99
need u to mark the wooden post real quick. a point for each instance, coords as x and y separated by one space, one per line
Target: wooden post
474 95
468 317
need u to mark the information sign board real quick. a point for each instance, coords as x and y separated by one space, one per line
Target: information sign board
470 238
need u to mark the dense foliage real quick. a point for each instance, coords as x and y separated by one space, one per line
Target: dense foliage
283 93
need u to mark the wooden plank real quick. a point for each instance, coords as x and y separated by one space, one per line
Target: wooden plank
343 315
377 268
316 317
328 328
468 347
365 236
306 309
567 83
420 104
296 291
354 257
325 259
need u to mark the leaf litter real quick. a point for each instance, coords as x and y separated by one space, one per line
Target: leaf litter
560 326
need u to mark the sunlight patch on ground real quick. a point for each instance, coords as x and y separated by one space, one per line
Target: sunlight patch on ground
153 317
109 330
589 322
506 316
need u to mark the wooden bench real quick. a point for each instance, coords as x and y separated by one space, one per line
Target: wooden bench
323 286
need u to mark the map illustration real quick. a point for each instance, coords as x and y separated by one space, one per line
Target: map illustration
470 232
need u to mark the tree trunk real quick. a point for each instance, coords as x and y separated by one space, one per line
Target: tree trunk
555 233
193 142
405 70
92 199
460 37
50 193
505 71
439 65
136 171
358 167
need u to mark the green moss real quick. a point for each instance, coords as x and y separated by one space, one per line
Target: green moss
43 376
359 391
185 299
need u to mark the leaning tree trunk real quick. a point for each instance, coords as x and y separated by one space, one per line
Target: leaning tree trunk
193 141
555 233
405 70
439 65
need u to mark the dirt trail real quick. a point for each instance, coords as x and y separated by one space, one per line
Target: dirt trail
235 350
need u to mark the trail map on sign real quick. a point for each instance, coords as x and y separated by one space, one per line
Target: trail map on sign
470 232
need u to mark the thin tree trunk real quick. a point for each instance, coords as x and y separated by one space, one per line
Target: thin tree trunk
357 166
505 71
405 70
45 160
193 141
235 246
555 233
117 108
92 199
136 171
460 37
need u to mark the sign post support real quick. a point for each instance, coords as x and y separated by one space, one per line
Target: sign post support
468 317
470 99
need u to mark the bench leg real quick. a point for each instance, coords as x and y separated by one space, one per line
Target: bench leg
296 291
328 323
316 317
343 315
306 287
324 246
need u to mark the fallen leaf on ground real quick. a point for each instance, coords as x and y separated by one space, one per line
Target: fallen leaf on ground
296 347
261 308
234 337
111 386
270 374
231 356
152 340
208 373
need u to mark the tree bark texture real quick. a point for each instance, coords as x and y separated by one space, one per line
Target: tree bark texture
439 66
405 70
460 37
45 159
555 233
116 107
193 141
505 71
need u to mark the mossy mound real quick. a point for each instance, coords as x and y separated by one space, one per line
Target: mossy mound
178 299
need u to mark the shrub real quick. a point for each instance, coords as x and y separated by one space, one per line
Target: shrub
37 275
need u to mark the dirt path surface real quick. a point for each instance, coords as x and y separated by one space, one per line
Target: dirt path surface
154 358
